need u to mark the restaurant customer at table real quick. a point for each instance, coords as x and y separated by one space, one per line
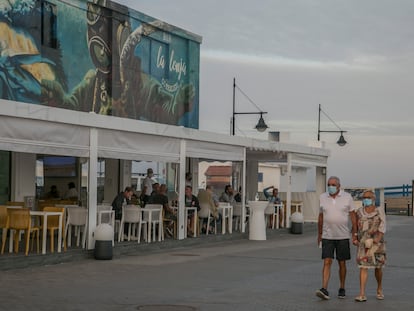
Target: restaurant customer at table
206 197
274 198
53 193
123 198
161 198
227 195
191 201
71 193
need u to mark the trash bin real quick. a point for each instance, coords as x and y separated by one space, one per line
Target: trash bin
103 234
296 226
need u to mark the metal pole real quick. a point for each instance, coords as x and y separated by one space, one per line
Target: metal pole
412 188
319 122
234 108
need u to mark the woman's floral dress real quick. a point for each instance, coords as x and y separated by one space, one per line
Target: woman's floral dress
369 254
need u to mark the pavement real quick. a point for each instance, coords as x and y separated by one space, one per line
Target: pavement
223 272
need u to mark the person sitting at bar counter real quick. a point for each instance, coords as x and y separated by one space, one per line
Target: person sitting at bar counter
71 193
53 193
191 201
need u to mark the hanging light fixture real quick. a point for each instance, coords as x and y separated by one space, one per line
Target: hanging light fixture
341 141
261 126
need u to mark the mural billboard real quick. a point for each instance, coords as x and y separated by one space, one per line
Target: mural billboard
98 56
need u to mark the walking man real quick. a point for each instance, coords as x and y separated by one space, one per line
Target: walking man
336 208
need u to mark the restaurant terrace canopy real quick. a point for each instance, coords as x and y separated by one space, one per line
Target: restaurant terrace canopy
36 129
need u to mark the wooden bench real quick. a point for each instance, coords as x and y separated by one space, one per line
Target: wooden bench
398 205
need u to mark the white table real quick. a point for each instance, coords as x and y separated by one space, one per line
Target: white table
257 229
148 219
45 215
226 212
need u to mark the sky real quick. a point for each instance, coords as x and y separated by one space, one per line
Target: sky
354 58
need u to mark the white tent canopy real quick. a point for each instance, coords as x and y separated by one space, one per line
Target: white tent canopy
38 129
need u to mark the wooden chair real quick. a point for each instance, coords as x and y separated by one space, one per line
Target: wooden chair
53 224
20 219
15 203
3 226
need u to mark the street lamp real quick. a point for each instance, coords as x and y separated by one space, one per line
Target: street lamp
341 141
260 126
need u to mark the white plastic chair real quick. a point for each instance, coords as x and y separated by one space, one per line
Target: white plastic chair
237 215
104 214
204 213
76 217
272 210
156 219
132 215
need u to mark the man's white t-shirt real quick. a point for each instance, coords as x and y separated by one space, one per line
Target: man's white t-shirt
336 215
148 183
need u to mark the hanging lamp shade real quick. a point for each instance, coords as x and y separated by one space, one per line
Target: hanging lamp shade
341 141
261 126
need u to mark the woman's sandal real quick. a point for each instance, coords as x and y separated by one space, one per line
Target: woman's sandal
360 298
380 296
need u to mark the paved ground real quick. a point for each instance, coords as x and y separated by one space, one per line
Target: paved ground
281 273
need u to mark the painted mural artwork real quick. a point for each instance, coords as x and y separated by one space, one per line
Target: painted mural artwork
85 56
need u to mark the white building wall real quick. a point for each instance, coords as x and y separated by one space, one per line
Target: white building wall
23 176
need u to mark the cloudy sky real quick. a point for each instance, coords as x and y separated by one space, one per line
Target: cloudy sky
355 58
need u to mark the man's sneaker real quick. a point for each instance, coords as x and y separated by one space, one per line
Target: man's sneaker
341 293
322 293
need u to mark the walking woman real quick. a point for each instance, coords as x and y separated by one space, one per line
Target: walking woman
370 243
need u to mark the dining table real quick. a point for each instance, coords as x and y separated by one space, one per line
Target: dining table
45 215
226 211
147 215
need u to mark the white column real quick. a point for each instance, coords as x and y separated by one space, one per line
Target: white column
243 213
92 185
289 189
181 191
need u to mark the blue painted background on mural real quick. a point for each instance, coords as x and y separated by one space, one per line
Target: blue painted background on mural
87 57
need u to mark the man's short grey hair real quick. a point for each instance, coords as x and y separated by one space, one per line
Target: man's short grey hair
338 181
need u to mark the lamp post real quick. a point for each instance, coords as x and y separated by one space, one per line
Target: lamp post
341 141
261 126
